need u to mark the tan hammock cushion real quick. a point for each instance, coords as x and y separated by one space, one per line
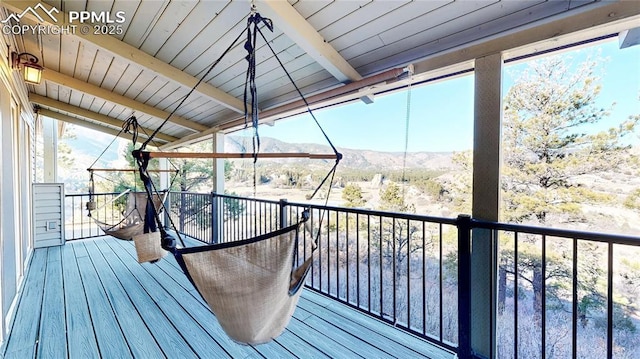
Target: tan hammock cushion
149 247
248 286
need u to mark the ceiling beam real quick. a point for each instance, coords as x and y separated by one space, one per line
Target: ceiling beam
296 27
567 28
629 38
134 55
76 121
93 90
77 111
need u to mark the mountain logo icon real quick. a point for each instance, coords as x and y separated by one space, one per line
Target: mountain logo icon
32 11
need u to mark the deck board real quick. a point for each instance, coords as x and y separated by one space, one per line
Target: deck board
81 341
52 323
22 342
135 331
165 333
111 342
189 304
110 306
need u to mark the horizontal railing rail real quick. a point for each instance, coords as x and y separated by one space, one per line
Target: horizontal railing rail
555 288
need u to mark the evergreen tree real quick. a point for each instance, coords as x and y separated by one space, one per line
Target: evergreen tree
352 195
549 141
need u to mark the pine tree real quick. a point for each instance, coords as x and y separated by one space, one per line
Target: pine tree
549 141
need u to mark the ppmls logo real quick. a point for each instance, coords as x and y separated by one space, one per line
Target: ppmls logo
84 22
32 10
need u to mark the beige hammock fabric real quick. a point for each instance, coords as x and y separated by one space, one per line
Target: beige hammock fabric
251 285
132 223
148 247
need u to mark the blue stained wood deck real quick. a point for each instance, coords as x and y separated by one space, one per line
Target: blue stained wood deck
91 299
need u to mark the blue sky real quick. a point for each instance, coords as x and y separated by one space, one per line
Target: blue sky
441 116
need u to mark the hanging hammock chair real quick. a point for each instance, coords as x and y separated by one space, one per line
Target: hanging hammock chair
136 218
133 217
252 285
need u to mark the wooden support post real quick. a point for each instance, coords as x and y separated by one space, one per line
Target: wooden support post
486 202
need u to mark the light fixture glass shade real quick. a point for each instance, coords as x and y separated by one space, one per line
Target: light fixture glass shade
32 73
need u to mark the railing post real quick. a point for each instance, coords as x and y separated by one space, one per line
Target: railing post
464 286
167 211
182 209
215 225
282 204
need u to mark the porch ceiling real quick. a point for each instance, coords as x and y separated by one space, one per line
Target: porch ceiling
165 47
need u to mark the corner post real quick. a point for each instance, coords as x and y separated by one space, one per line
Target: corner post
282 204
464 286
215 216
486 203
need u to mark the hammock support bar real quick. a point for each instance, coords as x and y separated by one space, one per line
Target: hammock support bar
125 170
321 156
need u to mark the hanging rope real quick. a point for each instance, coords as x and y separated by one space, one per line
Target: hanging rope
184 98
251 115
331 172
129 126
406 135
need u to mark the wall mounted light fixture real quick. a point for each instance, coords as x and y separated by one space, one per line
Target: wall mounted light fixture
28 64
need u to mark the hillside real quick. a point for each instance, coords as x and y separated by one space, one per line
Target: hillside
354 159
294 179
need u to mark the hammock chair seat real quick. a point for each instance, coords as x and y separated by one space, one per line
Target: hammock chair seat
133 222
252 286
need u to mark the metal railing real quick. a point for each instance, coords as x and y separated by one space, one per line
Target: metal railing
554 288
214 218
388 265
558 292
79 225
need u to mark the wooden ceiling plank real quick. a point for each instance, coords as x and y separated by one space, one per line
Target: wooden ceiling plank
131 72
151 89
86 55
130 8
234 75
204 13
132 54
392 19
75 97
69 47
140 22
286 18
449 19
174 13
97 104
52 90
352 21
68 81
142 81
333 12
164 94
114 74
215 38
78 111
308 8
101 65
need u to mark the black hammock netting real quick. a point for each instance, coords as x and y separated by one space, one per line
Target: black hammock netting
252 285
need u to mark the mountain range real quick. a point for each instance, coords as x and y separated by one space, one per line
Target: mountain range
352 158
